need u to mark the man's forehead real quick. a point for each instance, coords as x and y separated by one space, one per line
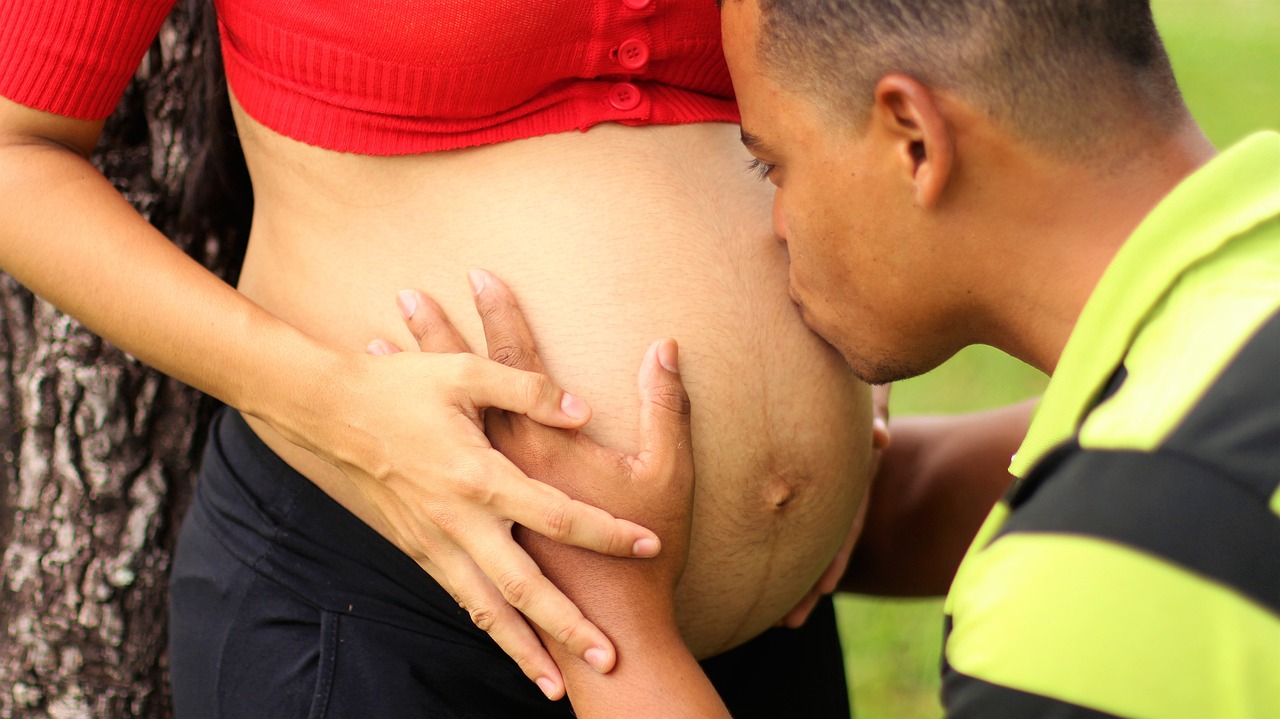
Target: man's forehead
757 93
739 21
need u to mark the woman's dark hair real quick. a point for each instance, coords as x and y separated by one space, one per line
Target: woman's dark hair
217 199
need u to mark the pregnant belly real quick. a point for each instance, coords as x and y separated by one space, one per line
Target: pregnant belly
610 240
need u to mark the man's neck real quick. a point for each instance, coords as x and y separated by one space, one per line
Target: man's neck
1066 229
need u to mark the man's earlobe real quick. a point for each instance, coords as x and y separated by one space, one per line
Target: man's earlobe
909 113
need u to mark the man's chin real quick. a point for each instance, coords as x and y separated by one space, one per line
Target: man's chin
877 372
867 367
881 369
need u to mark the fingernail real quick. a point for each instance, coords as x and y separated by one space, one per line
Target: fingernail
476 277
668 355
376 348
573 406
597 657
408 301
647 547
547 686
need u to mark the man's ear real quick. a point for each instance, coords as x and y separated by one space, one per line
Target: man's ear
908 112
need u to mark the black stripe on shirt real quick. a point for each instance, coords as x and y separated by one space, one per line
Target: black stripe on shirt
1236 425
967 697
1162 504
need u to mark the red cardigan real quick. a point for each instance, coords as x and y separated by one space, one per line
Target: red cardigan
390 77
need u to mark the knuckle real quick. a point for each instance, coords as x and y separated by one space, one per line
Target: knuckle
510 354
534 388
569 633
447 523
559 520
516 587
474 487
467 370
453 371
671 398
616 542
523 660
484 617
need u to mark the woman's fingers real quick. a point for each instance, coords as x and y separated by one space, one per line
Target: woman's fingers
490 574
489 384
510 343
429 324
541 508
491 613
483 383
381 347
523 586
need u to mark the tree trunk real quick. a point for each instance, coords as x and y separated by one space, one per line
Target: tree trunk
99 454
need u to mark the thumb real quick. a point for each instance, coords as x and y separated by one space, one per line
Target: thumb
664 411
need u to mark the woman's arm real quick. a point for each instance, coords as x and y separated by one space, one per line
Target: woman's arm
937 481
631 599
400 428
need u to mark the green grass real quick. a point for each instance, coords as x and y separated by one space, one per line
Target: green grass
1227 59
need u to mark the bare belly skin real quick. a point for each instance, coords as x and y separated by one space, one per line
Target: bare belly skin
610 239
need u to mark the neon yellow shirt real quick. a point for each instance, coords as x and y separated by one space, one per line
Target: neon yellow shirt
1134 570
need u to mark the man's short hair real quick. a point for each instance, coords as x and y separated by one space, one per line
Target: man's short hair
1060 73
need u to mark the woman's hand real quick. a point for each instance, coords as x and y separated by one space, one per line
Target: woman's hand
454 513
456 555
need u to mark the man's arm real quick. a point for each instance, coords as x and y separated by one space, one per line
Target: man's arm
937 481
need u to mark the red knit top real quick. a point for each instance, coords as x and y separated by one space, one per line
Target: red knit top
388 77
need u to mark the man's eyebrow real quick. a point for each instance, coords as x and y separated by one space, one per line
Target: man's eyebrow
755 144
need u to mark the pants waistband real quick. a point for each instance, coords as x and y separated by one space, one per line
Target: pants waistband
282 525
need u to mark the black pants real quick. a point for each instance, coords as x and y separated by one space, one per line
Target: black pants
284 604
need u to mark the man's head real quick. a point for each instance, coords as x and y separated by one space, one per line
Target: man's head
905 135
1046 69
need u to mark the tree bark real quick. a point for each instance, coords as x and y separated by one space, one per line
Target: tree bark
98 455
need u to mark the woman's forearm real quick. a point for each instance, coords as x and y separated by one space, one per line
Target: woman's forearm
73 240
403 430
